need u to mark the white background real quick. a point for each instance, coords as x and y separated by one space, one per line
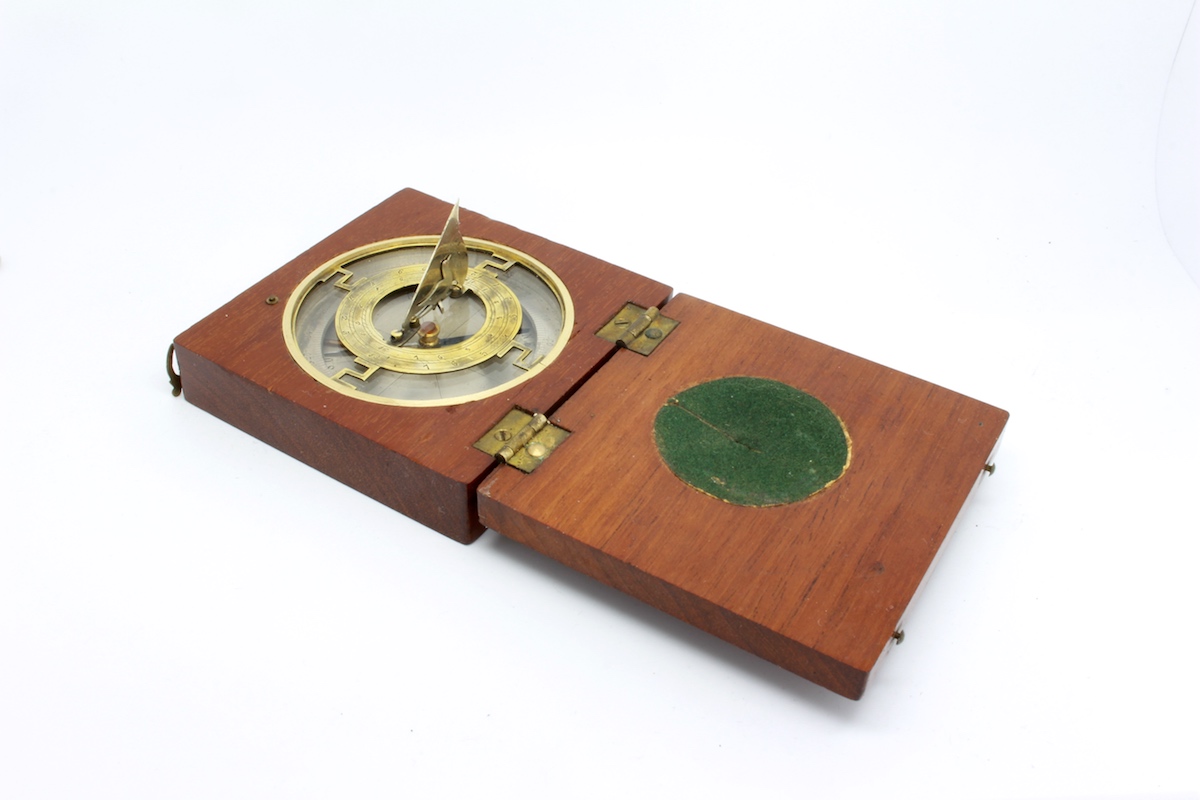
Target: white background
972 193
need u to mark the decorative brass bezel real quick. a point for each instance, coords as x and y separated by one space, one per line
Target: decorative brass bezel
327 270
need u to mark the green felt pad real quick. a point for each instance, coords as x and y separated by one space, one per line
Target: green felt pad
751 441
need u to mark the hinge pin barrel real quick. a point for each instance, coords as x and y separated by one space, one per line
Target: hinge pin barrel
522 440
638 329
521 437
638 326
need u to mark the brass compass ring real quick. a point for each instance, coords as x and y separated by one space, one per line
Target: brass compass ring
356 328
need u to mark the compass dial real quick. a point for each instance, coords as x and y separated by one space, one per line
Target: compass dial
346 324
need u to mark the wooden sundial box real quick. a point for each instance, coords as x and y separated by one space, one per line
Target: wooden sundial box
778 493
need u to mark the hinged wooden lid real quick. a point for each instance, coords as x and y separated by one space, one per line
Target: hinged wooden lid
818 585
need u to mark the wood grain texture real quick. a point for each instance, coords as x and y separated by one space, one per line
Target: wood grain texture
419 461
816 586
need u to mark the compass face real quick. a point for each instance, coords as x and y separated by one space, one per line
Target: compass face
345 324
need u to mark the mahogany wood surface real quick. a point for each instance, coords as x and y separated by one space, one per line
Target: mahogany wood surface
234 363
817 586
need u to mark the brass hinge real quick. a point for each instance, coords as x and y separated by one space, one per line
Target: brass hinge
638 329
522 440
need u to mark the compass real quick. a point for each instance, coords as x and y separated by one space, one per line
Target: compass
427 321
779 493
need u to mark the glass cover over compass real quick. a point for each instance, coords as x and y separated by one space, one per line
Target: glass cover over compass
423 321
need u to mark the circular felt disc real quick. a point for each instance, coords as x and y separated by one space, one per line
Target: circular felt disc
752 441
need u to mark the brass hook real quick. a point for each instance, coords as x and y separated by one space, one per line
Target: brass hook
175 378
